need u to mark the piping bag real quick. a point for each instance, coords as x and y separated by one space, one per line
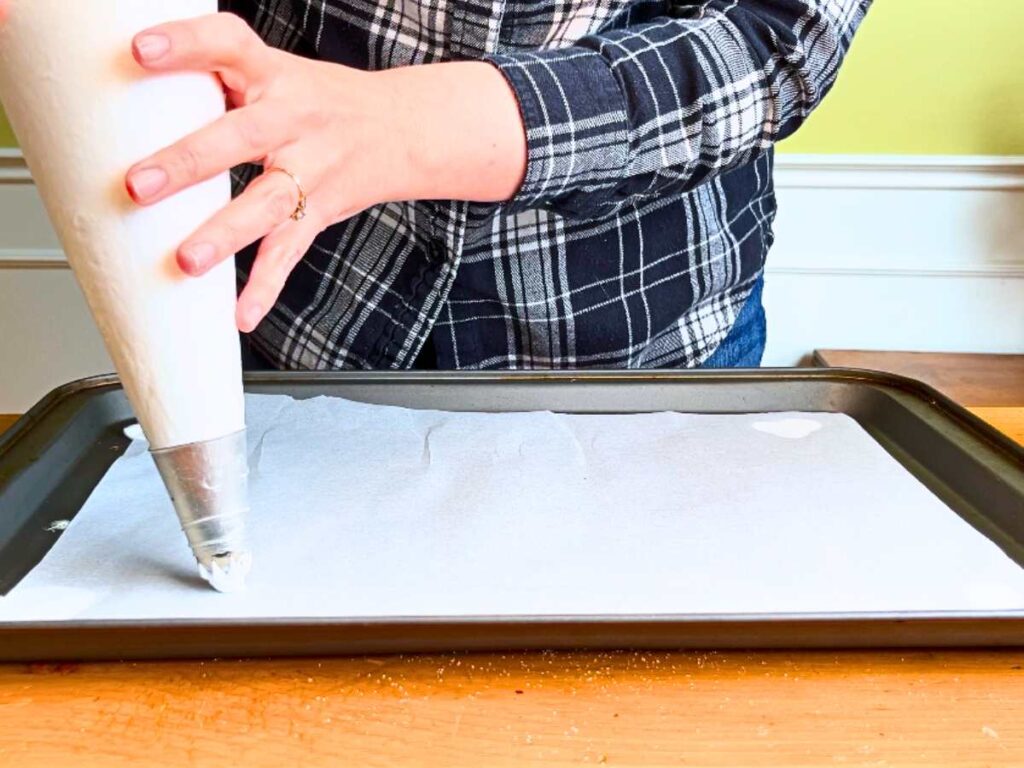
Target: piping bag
84 112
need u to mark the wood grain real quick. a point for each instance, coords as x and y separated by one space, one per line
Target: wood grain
972 380
956 708
1009 421
691 709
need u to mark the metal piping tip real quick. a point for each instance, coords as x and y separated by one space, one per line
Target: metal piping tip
208 484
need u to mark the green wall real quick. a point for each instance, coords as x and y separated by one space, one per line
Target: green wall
943 77
6 137
924 77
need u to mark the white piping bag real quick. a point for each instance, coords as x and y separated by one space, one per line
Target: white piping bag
84 112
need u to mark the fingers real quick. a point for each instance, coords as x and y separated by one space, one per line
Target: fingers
4 8
261 208
279 253
242 135
221 43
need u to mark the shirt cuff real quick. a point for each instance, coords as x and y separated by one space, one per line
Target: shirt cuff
576 127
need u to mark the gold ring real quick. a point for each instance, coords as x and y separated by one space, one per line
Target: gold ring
300 209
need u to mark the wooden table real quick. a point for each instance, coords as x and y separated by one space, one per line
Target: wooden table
958 708
985 381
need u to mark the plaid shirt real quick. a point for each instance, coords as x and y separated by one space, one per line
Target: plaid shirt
646 213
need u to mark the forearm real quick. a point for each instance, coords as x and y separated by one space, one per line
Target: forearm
457 129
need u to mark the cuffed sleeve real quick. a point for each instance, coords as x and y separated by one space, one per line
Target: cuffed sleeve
576 123
663 105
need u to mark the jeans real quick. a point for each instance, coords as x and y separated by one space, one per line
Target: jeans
744 346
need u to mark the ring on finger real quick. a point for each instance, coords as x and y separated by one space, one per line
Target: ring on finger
300 208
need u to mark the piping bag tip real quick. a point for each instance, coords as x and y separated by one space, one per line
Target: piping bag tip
208 484
227 572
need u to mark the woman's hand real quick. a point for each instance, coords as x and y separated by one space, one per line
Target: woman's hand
353 138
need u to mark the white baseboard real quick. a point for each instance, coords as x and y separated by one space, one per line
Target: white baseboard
917 172
899 216
12 167
872 252
896 253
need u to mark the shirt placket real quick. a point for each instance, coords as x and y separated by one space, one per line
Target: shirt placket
475 27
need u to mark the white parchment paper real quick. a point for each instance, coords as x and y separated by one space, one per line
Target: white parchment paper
365 510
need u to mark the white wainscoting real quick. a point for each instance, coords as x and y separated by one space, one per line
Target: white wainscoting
896 253
871 252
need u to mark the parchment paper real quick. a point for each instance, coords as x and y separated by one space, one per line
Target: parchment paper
364 510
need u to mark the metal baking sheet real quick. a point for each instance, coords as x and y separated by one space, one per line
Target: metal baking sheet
53 458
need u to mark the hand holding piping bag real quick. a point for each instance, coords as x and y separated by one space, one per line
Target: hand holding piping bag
172 341
345 140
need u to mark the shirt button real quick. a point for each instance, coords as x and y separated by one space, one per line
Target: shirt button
435 252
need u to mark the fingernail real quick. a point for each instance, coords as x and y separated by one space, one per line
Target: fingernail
147 182
152 47
195 258
251 316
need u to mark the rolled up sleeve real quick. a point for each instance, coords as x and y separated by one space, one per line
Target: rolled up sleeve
636 112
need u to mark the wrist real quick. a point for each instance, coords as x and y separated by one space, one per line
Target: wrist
457 130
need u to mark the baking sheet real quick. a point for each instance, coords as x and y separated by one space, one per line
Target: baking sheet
367 510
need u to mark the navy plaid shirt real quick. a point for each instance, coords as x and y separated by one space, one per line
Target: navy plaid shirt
646 213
